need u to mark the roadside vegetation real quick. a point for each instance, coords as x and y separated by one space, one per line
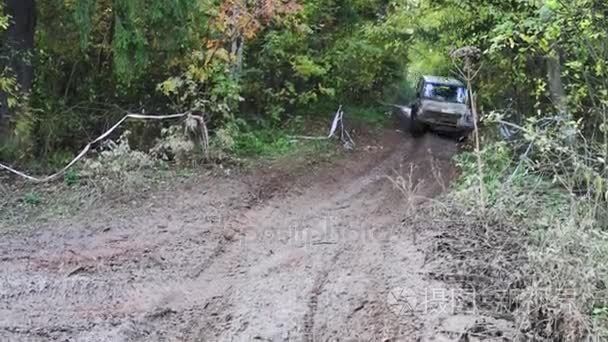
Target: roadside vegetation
261 73
529 230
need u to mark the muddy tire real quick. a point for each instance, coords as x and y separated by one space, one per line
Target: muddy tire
416 127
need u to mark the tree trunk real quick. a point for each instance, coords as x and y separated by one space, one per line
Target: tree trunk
556 85
558 93
239 58
17 48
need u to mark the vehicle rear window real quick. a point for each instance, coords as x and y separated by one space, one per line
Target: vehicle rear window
445 93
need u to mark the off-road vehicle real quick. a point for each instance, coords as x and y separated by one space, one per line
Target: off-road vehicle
442 104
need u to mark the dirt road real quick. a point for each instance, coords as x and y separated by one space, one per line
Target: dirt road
313 253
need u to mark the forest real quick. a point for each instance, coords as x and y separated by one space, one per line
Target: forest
72 67
259 71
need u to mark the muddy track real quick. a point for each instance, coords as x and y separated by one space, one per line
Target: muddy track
313 301
305 253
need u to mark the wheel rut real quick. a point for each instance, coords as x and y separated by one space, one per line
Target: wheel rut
313 302
305 254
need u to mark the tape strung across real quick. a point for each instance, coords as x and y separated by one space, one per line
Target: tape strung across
87 148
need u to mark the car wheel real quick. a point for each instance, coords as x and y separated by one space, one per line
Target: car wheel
416 128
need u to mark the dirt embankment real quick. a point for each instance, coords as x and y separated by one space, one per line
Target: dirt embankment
308 252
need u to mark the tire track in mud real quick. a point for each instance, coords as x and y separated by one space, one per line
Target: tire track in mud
259 194
234 232
313 302
231 264
252 292
291 202
419 153
227 263
269 271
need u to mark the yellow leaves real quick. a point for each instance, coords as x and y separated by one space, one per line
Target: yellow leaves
303 29
552 5
200 62
170 86
585 24
541 87
528 39
576 65
544 44
221 54
7 83
242 18
599 186
213 44
600 68
4 20
70 4
331 92
197 73
12 102
236 19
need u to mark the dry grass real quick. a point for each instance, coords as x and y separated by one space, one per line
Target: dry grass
537 255
409 186
546 282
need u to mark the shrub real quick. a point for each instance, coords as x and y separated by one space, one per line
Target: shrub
119 167
175 145
543 235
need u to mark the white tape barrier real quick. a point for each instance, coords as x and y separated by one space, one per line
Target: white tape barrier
89 145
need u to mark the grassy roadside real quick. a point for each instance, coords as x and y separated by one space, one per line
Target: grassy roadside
537 255
121 175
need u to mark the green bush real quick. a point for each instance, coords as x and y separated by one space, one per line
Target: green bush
374 116
71 177
32 198
263 142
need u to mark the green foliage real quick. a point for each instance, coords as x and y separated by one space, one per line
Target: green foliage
427 59
205 85
8 83
497 160
373 116
306 68
32 198
83 12
561 229
243 139
263 142
71 178
328 52
140 31
4 19
95 59
229 59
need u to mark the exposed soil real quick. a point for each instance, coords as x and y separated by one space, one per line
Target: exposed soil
293 252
